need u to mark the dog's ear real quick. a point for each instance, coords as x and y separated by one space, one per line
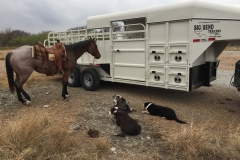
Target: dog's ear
117 97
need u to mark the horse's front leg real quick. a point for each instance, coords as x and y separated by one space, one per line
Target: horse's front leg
64 84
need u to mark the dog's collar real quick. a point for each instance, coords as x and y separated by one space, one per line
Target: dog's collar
148 105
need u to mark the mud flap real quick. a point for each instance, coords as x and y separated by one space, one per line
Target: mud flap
203 74
236 82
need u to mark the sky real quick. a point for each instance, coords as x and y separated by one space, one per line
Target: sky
35 16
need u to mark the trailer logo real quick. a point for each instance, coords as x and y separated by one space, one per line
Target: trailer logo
206 32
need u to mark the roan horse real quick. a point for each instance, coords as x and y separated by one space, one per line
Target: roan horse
23 64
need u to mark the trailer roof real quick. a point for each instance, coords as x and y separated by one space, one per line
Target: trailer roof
179 11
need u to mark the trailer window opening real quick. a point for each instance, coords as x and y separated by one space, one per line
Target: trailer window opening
129 29
99 33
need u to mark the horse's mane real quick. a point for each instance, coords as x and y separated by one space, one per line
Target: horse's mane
77 46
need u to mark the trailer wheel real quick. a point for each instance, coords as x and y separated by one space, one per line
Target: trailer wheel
90 79
74 78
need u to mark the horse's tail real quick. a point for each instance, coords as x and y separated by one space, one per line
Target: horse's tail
9 71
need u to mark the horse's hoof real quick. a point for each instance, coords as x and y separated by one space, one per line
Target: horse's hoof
67 95
28 103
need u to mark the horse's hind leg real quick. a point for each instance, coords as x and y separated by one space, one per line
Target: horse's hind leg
64 84
19 94
18 84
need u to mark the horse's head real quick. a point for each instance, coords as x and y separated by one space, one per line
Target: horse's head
93 49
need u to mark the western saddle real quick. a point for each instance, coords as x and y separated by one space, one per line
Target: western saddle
57 50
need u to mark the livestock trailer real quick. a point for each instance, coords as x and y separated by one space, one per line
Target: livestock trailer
172 47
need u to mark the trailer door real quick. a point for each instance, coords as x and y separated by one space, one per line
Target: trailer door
129 52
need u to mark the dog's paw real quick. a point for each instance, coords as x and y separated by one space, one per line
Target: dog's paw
133 110
145 112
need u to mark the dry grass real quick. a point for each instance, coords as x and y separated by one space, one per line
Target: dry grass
42 136
39 135
209 140
33 137
3 53
232 48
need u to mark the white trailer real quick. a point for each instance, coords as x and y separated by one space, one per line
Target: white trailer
172 47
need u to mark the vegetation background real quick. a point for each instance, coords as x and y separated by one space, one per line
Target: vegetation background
14 38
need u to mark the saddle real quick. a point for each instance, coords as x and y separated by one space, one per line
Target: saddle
55 53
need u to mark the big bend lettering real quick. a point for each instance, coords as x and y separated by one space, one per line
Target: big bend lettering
208 27
203 27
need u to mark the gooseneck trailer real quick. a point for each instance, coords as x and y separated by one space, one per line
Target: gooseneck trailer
172 47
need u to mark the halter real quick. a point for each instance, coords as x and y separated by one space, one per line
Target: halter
94 49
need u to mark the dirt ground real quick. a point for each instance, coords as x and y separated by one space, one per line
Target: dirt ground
90 109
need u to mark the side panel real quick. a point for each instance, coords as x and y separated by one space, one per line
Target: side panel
129 59
157 33
203 33
129 51
168 54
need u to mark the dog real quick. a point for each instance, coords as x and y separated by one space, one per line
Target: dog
121 103
128 125
157 110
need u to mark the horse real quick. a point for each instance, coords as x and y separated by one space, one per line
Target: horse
21 61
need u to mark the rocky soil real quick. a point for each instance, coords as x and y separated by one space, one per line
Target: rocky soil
90 109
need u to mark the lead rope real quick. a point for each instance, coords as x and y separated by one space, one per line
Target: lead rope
93 61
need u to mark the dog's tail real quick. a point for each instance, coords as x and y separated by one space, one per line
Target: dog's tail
179 121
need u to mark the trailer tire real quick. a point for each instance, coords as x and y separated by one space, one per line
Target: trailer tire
74 78
90 79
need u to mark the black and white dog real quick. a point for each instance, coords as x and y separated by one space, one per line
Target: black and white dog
165 112
121 103
128 125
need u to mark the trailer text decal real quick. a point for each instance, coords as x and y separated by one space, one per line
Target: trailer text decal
207 31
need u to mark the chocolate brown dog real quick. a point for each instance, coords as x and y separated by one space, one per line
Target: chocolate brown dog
128 125
121 103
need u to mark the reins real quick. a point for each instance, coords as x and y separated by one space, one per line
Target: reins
76 62
71 60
